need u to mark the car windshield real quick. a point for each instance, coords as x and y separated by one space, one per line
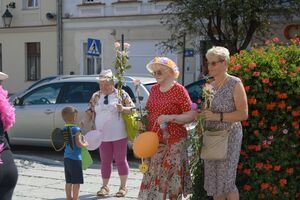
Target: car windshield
149 86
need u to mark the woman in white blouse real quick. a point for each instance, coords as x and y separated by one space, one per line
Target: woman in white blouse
104 109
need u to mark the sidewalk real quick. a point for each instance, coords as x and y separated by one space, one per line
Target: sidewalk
41 178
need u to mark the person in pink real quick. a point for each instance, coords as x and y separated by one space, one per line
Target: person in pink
169 107
105 108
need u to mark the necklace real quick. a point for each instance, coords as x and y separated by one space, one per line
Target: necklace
221 83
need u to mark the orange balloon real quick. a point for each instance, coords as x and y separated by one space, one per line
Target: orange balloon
146 144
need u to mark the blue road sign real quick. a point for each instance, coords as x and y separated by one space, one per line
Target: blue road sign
189 52
94 47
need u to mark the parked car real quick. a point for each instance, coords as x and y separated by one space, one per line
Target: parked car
38 110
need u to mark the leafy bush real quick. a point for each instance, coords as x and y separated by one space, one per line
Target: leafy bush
269 164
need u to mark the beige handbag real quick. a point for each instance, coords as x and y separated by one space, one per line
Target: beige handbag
215 145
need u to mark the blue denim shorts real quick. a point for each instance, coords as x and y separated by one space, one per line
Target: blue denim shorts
73 171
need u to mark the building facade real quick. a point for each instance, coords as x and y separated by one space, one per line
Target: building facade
29 46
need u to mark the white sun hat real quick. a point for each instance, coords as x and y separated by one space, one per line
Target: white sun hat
105 75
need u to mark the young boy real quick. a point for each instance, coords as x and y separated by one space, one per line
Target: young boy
72 154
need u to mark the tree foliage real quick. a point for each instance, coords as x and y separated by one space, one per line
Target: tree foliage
229 23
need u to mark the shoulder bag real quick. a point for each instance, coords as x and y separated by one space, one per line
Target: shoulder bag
215 145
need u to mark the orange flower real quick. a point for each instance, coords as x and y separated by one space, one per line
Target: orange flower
243 153
240 166
282 61
259 165
270 106
274 128
268 166
266 80
256 74
290 170
251 65
283 182
255 113
247 88
281 95
277 168
252 101
281 105
295 113
256 133
295 124
247 171
236 67
264 186
245 123
247 187
257 148
298 69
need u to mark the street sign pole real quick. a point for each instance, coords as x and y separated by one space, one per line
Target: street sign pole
183 59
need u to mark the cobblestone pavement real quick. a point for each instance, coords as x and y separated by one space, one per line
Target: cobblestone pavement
41 178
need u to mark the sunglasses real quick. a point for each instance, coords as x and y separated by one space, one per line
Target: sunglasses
214 63
157 73
105 99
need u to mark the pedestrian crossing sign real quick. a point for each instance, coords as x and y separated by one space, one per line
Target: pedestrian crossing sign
94 47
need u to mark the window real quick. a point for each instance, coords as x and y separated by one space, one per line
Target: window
43 95
31 4
79 92
90 67
33 58
1 57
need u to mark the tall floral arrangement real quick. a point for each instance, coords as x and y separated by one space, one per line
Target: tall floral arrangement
121 64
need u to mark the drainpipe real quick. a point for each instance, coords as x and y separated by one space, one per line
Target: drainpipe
59 30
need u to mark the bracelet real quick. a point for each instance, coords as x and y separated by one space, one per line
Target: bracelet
221 116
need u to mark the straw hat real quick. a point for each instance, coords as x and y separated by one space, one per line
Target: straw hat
165 62
3 76
105 75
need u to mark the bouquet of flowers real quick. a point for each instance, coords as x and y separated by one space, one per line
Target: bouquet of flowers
121 64
206 97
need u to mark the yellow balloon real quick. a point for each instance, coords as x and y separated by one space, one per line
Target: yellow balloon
146 144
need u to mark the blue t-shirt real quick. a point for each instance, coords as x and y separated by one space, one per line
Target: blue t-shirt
74 154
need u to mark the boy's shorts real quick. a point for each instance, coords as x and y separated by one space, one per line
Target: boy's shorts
73 171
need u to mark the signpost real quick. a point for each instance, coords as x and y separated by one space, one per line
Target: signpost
94 50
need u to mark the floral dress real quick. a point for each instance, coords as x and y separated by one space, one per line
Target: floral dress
168 174
219 176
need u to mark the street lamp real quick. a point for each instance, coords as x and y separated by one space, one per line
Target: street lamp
7 16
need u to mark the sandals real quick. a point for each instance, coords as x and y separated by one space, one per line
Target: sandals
122 192
104 191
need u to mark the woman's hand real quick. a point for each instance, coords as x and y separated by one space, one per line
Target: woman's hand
210 116
164 119
119 107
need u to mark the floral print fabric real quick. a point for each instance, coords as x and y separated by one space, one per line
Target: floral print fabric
219 176
168 174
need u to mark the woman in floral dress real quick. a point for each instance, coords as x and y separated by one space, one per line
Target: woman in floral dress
170 104
228 108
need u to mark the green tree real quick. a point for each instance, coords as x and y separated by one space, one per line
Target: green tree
229 23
